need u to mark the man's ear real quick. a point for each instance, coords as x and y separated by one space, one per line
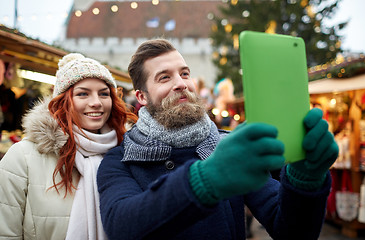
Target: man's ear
141 97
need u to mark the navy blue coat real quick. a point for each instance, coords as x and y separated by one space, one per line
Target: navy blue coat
149 200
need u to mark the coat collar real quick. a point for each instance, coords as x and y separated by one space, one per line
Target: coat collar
42 129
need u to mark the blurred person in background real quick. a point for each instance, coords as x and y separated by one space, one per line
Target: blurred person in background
224 92
48 180
176 176
205 93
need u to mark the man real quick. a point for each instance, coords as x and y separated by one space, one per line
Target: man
176 176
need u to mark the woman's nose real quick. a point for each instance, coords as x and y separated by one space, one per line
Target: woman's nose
95 101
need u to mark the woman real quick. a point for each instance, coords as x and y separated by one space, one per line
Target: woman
48 180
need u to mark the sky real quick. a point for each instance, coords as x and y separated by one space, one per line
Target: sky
352 11
39 19
44 20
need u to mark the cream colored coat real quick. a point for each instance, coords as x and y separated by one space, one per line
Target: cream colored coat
29 209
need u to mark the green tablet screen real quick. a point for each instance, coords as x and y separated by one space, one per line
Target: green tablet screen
275 86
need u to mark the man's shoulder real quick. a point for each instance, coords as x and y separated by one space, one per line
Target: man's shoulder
116 151
111 160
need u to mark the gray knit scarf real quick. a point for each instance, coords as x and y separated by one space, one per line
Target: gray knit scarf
150 141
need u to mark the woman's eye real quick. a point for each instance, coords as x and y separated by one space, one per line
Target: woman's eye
81 94
105 94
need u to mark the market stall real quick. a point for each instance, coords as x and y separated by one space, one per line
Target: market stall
343 103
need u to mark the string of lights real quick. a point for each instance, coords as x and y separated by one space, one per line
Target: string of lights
29 16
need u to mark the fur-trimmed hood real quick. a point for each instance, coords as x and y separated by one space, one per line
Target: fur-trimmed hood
42 129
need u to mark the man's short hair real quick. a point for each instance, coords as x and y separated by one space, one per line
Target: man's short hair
149 49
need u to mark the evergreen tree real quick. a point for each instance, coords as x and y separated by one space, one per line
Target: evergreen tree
300 18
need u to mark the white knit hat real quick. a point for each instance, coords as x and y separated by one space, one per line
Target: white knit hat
74 67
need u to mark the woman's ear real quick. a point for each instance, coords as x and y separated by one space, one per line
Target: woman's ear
141 97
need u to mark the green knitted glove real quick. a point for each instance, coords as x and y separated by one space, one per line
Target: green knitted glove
240 163
321 152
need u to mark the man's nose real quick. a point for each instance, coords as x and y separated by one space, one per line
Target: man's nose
180 84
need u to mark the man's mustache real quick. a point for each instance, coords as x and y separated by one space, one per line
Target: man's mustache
168 101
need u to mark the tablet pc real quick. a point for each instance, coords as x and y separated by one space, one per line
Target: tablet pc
275 86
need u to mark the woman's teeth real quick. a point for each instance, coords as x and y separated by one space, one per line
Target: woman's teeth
93 114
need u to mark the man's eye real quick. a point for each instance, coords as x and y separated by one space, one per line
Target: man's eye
185 74
164 78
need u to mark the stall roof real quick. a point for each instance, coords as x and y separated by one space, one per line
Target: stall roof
329 85
37 56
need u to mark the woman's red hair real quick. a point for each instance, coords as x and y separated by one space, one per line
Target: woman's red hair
62 109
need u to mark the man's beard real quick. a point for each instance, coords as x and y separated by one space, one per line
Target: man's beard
171 114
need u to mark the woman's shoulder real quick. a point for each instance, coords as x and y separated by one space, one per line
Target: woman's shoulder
15 159
22 147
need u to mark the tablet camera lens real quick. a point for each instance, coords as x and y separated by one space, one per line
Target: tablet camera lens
295 44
